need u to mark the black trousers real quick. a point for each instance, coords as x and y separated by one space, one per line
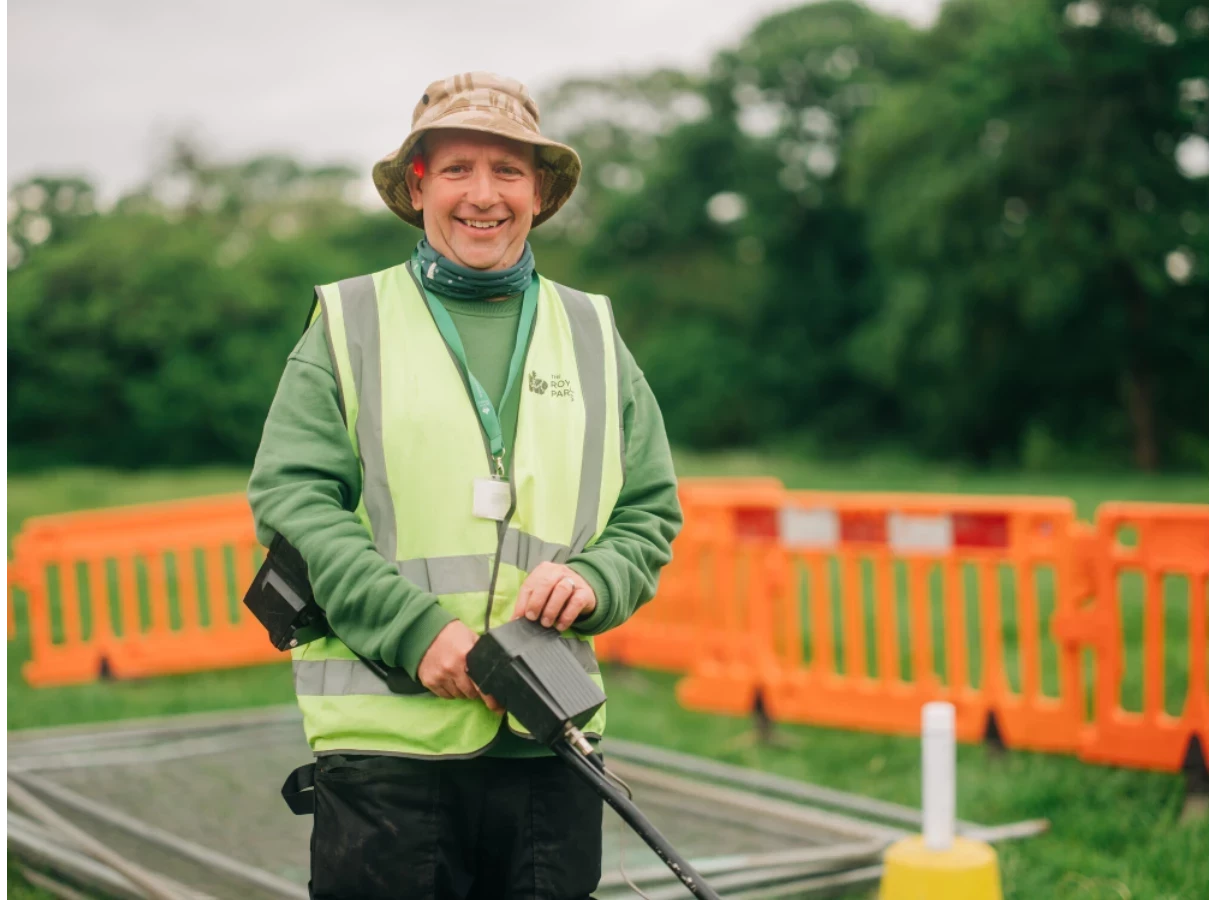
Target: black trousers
388 827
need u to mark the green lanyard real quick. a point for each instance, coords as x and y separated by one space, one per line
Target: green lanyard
486 410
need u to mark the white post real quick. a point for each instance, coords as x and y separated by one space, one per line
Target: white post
938 755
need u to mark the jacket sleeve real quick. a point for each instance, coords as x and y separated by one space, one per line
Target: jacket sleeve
305 485
622 565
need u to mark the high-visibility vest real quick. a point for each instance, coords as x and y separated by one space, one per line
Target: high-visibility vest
412 424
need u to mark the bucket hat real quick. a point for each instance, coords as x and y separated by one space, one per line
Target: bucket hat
479 101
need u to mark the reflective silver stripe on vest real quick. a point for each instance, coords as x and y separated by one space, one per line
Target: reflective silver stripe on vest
589 352
361 314
470 573
448 574
343 677
526 551
333 362
336 677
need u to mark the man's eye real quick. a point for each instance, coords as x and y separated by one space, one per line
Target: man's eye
509 170
455 168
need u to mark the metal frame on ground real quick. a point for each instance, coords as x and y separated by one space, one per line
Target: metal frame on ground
822 839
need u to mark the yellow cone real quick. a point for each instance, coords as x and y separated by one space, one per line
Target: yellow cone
966 871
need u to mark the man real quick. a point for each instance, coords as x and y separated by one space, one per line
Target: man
455 442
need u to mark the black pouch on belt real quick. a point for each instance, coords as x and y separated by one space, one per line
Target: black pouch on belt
298 790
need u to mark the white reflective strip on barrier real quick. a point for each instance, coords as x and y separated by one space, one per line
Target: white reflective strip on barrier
809 527
920 533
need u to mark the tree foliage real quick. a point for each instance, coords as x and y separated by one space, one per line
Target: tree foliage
155 334
1027 207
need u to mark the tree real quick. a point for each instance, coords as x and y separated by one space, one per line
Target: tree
743 226
1043 253
156 334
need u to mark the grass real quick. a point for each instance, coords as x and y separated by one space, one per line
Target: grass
1086 488
1115 833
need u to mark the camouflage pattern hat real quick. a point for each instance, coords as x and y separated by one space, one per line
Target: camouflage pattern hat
479 101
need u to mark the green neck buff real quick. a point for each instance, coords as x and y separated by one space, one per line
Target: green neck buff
442 276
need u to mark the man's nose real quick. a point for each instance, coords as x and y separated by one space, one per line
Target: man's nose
481 190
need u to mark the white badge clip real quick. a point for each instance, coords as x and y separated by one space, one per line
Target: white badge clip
491 498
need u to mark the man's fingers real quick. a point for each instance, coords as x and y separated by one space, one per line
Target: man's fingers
546 593
439 690
538 582
576 604
547 580
561 592
537 601
464 687
525 592
493 704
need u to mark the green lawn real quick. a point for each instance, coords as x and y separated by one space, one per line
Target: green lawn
68 489
1087 489
1115 833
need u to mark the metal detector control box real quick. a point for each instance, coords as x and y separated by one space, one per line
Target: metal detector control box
282 600
533 672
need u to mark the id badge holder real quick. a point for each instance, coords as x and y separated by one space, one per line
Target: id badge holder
491 498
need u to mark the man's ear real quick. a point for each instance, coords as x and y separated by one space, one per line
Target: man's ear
538 199
414 183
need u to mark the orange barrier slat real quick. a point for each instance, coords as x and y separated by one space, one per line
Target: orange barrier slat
217 587
921 634
955 625
994 680
128 594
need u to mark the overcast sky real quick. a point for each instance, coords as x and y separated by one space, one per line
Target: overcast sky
96 88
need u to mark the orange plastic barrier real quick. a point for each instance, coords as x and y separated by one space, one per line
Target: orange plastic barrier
1165 542
670 632
829 645
140 590
846 610
853 610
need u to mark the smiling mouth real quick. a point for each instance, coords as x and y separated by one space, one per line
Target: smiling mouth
482 225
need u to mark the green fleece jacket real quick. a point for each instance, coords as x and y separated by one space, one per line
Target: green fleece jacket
306 484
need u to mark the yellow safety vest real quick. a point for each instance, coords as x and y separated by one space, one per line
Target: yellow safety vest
412 424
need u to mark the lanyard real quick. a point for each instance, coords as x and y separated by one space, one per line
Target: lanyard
486 410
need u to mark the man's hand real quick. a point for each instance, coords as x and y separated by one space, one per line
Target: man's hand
443 670
554 593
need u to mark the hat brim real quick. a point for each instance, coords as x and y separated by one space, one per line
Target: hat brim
560 163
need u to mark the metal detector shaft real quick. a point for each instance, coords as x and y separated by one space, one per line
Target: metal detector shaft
536 674
633 816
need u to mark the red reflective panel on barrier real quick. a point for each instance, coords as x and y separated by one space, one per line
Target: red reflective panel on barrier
755 523
862 527
980 530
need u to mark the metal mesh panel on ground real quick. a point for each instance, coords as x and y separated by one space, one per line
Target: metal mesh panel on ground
196 799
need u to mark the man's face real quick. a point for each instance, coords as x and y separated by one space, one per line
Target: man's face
478 197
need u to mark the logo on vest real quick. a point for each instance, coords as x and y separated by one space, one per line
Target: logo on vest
561 387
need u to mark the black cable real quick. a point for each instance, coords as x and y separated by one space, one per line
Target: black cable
593 773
